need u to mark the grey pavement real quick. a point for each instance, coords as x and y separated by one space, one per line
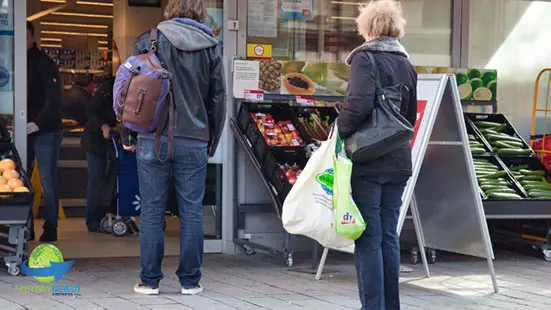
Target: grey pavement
262 282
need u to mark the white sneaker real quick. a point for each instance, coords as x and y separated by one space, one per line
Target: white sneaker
141 288
192 290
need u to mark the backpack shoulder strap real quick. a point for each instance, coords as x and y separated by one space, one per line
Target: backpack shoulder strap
153 35
378 83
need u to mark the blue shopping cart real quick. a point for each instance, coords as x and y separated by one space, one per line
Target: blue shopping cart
127 195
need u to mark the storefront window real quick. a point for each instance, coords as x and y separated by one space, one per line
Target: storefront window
6 63
325 30
215 17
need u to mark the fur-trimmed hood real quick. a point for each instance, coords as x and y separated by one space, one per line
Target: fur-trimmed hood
382 44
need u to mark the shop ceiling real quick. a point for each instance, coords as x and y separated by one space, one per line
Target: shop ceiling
62 22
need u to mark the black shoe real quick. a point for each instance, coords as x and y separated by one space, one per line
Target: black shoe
94 230
49 234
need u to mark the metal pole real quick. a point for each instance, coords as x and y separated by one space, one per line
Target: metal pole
322 263
419 233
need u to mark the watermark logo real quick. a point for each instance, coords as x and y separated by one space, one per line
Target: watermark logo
325 179
46 265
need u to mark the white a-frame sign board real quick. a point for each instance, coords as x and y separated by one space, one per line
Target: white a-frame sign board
442 193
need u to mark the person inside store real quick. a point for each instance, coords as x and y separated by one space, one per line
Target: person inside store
75 100
44 95
96 141
189 51
378 185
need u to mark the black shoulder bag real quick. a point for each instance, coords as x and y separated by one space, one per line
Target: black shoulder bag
385 128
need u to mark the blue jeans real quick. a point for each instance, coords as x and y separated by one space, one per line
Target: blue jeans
377 253
44 147
96 178
187 174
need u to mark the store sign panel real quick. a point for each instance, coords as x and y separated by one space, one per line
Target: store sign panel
259 51
297 9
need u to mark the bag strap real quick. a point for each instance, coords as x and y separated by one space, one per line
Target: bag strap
378 84
153 35
167 114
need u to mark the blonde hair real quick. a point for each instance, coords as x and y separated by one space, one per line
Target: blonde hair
193 9
381 18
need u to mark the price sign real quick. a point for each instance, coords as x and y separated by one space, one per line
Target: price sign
421 106
254 95
303 100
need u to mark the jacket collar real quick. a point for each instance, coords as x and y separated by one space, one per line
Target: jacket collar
382 44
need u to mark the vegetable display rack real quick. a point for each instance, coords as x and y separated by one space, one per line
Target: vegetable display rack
513 183
15 208
278 138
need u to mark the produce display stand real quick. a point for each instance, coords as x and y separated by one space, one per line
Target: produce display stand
14 211
267 159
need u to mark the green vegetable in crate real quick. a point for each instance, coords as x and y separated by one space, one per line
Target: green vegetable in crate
486 124
499 174
488 130
507 144
495 183
472 138
501 137
513 151
477 150
501 190
539 194
518 168
530 178
532 172
504 196
315 126
494 187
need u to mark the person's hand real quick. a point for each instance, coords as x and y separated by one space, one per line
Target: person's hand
129 148
106 130
32 128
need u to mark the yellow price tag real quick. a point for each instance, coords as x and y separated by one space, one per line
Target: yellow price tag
263 51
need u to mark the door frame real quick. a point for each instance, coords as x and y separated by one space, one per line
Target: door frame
20 79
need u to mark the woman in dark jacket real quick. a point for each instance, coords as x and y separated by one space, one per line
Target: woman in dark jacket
378 185
190 53
96 142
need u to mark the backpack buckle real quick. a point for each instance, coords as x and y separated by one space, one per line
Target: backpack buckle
153 45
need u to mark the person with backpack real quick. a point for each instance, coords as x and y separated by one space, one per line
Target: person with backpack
172 91
380 71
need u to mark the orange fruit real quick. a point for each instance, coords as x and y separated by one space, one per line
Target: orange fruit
15 183
10 174
7 164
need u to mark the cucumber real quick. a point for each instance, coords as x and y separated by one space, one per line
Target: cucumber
518 168
529 187
501 190
502 137
499 174
503 183
486 124
507 144
513 151
532 191
471 138
477 150
540 195
531 178
526 182
540 173
500 128
508 196
481 161
487 131
494 187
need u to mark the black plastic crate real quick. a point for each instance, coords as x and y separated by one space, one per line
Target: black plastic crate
473 131
509 129
281 157
509 177
15 207
331 113
533 164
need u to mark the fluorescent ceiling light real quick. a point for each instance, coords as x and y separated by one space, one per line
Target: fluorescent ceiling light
51 39
339 2
51 45
103 42
82 15
95 3
103 48
342 17
82 34
74 25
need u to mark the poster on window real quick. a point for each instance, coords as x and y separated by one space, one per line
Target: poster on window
421 106
262 19
6 48
297 9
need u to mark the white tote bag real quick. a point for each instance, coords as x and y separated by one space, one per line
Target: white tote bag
308 208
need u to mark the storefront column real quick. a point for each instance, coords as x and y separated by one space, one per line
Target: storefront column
20 79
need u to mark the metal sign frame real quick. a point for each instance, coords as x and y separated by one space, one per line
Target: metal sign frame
429 214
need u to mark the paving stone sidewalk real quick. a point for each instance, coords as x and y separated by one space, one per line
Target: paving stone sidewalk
261 282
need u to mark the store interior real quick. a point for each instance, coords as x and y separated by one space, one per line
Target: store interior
87 40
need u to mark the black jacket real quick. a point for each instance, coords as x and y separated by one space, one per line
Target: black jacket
394 68
43 91
99 111
190 53
75 101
